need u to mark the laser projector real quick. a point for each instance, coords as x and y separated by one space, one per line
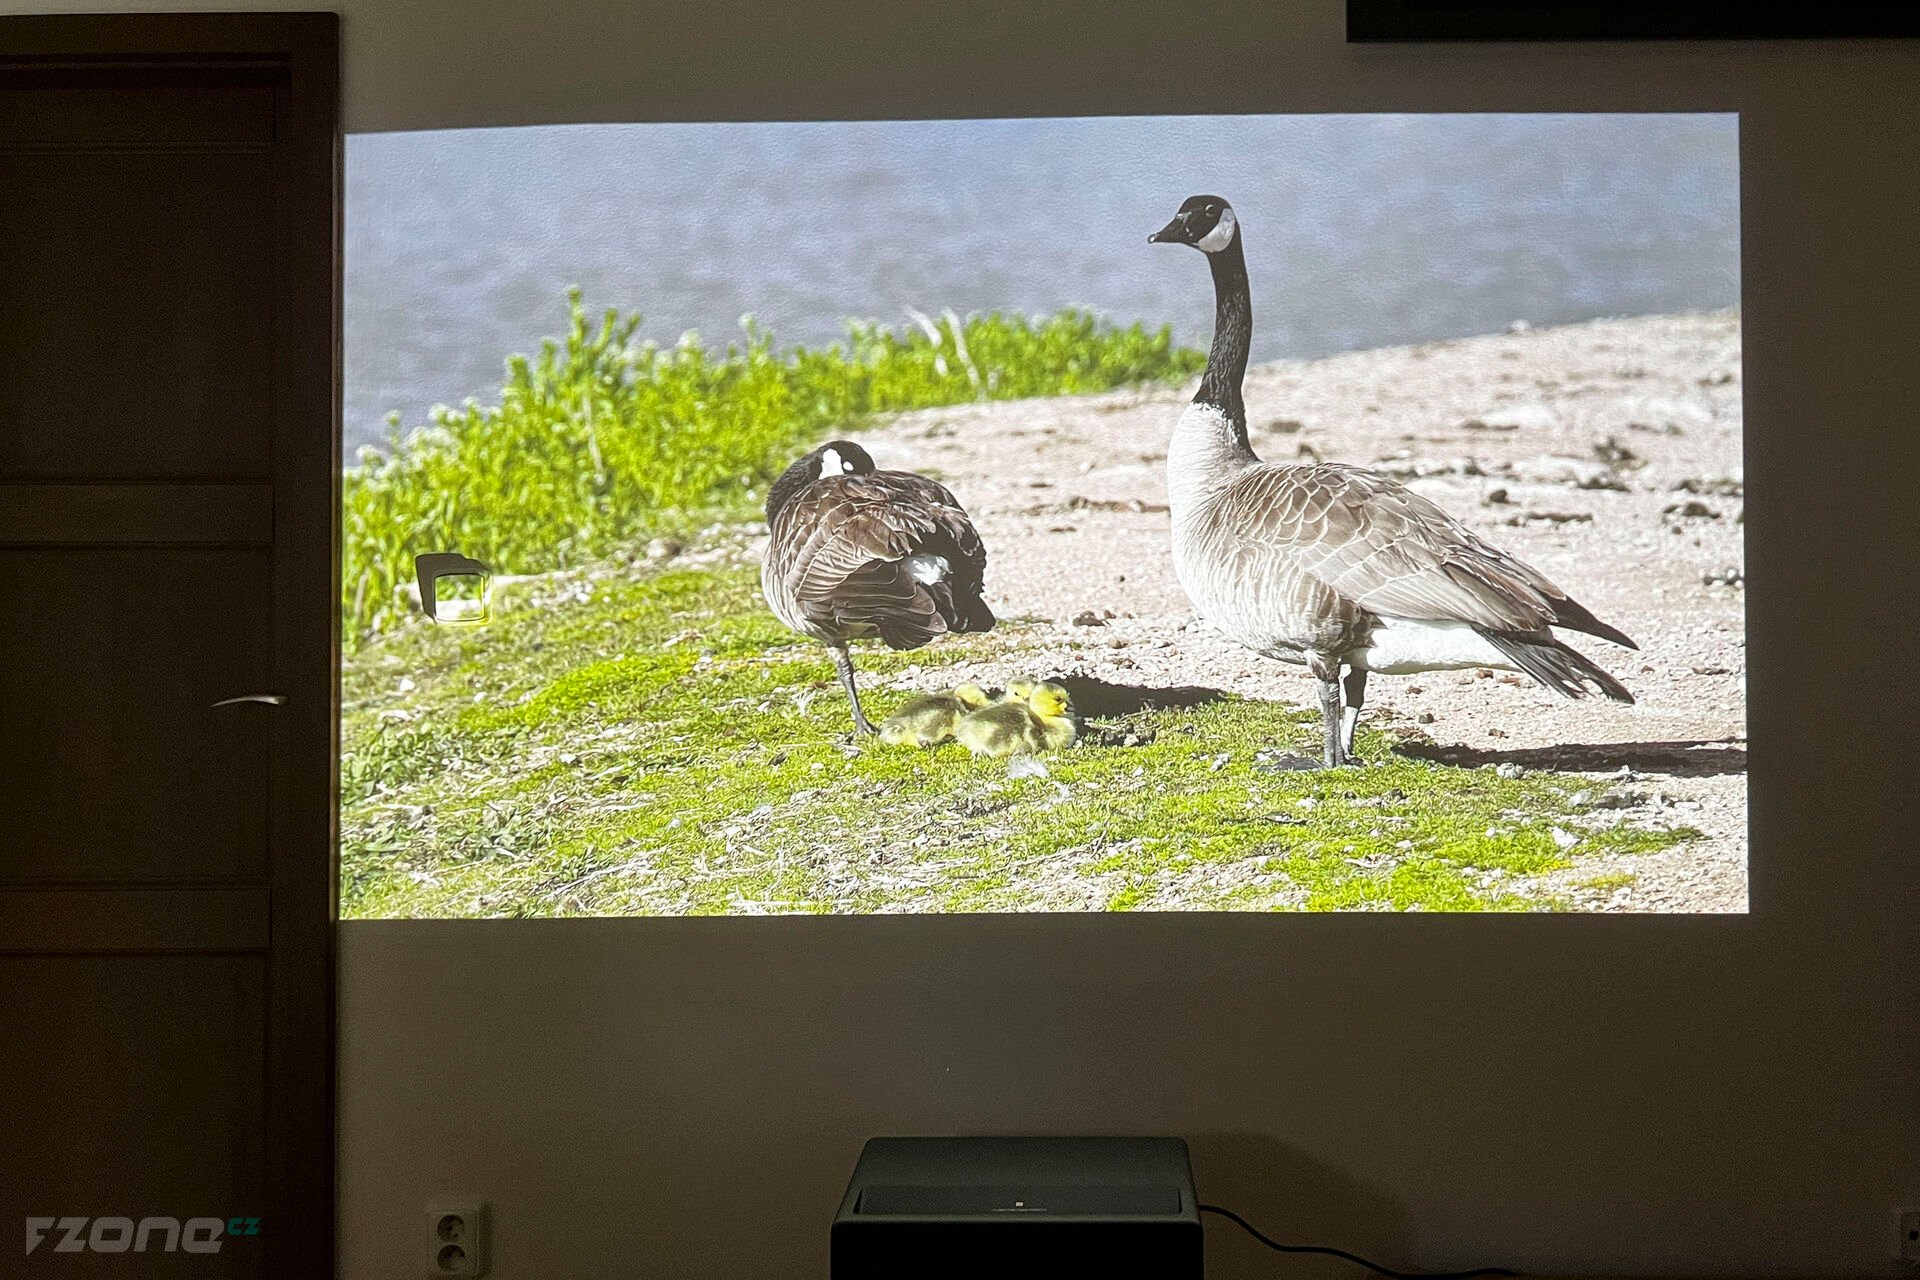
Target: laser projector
1119 1208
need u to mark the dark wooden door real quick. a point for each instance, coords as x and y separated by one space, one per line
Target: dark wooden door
168 472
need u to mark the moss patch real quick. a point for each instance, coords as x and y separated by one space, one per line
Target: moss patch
637 742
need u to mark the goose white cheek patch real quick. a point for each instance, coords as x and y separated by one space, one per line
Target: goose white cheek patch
1222 234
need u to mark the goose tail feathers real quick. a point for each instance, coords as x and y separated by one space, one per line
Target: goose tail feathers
1557 665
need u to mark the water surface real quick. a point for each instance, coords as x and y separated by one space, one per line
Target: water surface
1361 231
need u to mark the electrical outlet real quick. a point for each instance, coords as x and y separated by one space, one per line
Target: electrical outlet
1910 1237
457 1239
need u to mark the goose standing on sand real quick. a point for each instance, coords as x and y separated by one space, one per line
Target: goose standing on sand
858 553
1335 566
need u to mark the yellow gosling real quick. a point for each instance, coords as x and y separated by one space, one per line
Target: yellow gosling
929 721
1052 710
1018 690
1044 722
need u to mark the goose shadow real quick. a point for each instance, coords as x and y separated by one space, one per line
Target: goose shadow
1099 698
1701 758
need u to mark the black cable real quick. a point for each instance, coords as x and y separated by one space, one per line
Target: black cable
1355 1258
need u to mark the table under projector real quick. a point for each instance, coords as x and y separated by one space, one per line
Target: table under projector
1119 1208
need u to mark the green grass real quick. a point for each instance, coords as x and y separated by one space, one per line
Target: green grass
662 745
598 442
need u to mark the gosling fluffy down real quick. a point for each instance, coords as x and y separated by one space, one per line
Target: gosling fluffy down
1044 722
1018 690
929 721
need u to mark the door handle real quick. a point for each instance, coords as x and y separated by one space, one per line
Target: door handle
271 699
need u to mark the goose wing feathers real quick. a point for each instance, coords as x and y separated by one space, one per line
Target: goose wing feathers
1394 553
839 553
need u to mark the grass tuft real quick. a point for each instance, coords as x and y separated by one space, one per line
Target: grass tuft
598 442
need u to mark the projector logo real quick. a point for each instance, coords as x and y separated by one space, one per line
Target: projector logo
121 1235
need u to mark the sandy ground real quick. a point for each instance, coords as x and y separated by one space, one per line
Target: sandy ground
1606 454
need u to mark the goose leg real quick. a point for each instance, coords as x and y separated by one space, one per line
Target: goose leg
1355 683
843 661
1334 753
1326 669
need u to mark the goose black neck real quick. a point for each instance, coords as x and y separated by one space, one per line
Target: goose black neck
791 481
1232 336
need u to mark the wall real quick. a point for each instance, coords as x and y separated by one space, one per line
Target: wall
1711 1096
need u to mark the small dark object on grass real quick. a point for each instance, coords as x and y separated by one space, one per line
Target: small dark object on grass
1284 762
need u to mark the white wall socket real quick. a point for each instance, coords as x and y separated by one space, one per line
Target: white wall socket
457 1238
1910 1237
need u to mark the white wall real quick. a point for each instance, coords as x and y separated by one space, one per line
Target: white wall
684 1098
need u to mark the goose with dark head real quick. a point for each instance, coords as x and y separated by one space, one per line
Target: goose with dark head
840 458
1335 567
1209 224
856 553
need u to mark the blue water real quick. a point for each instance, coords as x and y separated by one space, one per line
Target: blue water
1361 231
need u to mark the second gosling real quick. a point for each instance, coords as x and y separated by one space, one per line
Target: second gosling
1018 690
931 720
1044 722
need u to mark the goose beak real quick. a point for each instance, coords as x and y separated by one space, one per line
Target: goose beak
1172 233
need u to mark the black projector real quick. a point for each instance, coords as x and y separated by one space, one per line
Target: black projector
1118 1208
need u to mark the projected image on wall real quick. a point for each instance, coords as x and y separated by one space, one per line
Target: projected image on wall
1159 514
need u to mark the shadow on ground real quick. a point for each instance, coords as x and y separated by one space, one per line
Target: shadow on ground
1098 698
1714 757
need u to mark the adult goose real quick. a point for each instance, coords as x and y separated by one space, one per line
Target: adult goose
1334 566
857 553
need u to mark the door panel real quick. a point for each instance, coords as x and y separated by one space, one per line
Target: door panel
84 1037
115 764
169 469
139 354
140 105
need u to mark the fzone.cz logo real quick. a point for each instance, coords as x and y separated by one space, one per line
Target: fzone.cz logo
123 1235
